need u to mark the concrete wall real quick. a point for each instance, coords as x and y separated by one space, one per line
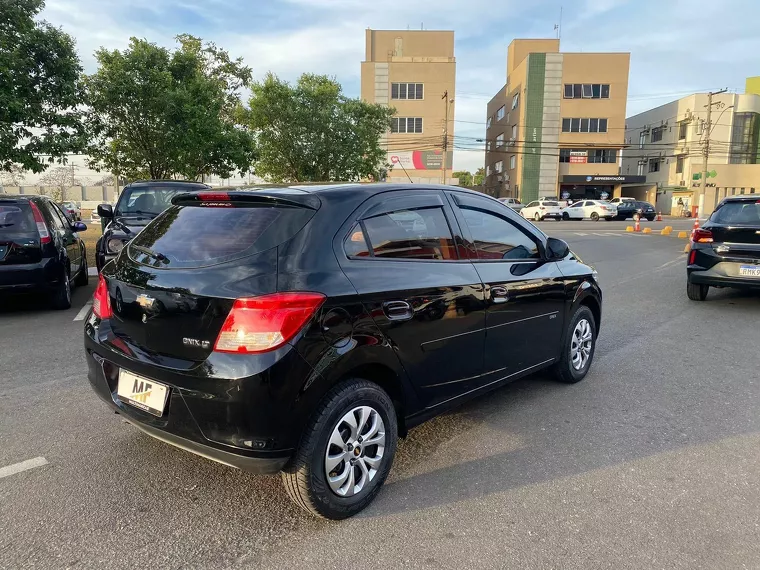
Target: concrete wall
94 194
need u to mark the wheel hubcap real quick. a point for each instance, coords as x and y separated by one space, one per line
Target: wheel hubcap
355 451
580 345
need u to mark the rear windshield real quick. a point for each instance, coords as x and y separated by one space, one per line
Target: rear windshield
16 219
551 204
146 200
738 214
194 236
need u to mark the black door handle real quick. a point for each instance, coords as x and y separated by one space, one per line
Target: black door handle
499 294
398 310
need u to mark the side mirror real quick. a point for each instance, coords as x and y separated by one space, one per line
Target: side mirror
105 210
79 227
556 249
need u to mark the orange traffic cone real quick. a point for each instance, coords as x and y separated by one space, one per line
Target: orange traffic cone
659 216
696 224
637 226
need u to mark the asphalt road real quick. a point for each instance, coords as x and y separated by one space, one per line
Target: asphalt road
652 462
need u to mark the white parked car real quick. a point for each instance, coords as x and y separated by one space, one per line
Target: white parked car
594 209
539 210
513 203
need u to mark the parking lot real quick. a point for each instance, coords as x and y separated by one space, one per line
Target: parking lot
651 462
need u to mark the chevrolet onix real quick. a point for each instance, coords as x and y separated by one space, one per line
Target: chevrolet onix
305 329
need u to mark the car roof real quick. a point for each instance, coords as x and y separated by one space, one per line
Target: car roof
189 184
26 197
742 198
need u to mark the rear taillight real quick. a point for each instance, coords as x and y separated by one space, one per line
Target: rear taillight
260 324
701 236
41 226
692 256
101 301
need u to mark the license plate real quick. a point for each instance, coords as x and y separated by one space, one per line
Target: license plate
749 270
147 395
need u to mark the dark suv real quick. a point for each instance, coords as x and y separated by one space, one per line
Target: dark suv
40 249
725 251
304 329
139 202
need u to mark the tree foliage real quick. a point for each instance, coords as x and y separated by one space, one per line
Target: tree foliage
465 178
13 176
157 113
479 177
59 180
310 131
40 121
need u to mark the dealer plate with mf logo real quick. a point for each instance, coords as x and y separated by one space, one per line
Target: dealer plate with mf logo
142 393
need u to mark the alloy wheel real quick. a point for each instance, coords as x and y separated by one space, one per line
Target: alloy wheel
580 345
355 451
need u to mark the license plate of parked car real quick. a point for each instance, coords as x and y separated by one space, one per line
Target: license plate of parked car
749 270
143 393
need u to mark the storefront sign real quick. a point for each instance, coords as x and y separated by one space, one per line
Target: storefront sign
603 179
578 156
419 159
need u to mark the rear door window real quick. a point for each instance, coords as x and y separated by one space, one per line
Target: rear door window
194 236
422 233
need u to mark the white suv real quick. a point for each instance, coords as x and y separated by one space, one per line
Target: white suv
594 209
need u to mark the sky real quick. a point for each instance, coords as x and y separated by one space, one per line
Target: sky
677 47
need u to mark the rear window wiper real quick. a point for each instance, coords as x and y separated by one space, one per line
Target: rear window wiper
150 253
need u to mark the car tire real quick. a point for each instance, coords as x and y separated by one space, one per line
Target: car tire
61 298
305 476
650 218
565 216
594 217
536 217
83 278
577 353
696 291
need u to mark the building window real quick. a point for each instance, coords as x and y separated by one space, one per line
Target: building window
499 167
564 155
642 139
488 122
603 156
500 113
406 125
587 91
744 138
682 128
514 132
500 140
488 146
640 169
679 165
657 134
654 165
406 90
515 100
513 162
584 125
488 170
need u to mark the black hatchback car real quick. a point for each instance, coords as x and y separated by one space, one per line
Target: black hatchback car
306 328
40 249
139 202
631 208
725 251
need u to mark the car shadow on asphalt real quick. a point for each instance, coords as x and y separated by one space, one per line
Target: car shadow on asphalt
36 303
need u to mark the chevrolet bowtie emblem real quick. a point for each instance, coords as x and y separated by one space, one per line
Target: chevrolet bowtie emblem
145 301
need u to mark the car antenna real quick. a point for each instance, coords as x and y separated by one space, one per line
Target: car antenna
405 172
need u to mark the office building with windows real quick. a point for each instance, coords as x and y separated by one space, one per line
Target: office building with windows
665 146
410 70
557 126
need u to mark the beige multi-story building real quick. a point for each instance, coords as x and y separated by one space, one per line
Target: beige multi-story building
557 127
413 71
665 145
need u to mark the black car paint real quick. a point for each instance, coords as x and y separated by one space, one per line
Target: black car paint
716 264
250 410
117 225
27 264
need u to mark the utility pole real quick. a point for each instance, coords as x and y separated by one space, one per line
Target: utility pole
445 136
706 152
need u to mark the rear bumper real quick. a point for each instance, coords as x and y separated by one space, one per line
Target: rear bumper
237 422
724 274
29 277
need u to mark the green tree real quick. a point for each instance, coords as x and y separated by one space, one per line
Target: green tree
465 177
40 92
157 113
480 175
310 131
